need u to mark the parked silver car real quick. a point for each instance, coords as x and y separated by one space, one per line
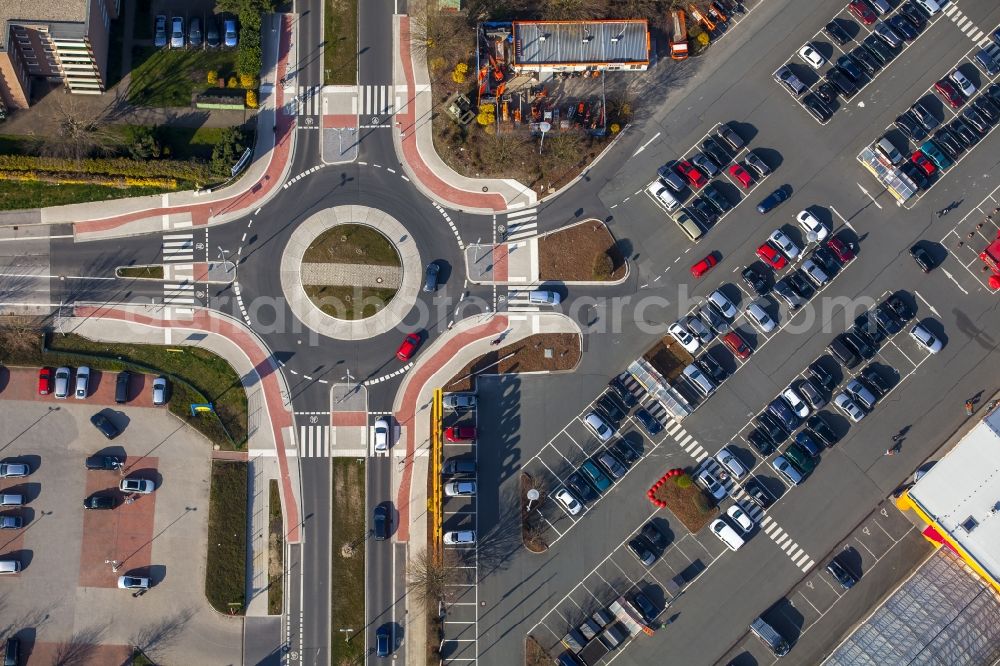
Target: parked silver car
177 32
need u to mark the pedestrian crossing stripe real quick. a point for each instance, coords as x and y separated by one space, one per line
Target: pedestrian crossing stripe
376 100
518 301
521 224
314 441
308 101
177 247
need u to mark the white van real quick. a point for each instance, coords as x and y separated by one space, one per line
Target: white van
932 7
727 534
10 566
662 194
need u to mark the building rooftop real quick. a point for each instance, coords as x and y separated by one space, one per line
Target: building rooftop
961 493
40 11
580 42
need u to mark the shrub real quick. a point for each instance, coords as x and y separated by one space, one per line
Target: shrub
457 76
462 67
231 145
246 81
615 128
683 481
232 82
212 76
436 63
486 118
603 267
141 143
704 39
251 99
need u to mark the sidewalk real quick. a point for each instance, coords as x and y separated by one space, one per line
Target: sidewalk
436 365
261 180
270 427
414 141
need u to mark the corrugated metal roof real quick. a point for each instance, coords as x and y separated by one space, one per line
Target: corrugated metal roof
582 42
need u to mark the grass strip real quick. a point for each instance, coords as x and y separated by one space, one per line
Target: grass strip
147 272
348 302
17 195
225 570
276 546
340 53
352 244
347 539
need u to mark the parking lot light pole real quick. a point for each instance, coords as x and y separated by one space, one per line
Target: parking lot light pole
347 634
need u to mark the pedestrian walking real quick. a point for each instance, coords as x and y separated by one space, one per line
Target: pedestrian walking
890 451
969 405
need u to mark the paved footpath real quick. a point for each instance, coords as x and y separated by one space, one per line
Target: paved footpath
262 179
414 141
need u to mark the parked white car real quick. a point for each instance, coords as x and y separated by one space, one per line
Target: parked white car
795 401
677 330
569 502
82 382
923 337
600 427
812 57
731 463
811 224
849 408
460 538
741 518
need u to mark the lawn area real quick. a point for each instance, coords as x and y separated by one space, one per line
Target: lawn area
276 550
165 77
340 31
18 194
225 570
190 142
148 272
351 244
348 302
347 540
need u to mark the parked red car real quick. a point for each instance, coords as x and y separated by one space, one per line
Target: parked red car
704 266
741 175
409 346
460 434
842 250
947 90
45 381
737 345
771 255
921 161
863 11
695 178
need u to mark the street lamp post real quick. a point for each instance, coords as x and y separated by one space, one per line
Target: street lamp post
347 634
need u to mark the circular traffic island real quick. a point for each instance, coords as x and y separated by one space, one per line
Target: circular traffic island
351 271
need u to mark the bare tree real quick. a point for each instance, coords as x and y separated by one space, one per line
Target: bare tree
20 336
152 638
80 135
429 576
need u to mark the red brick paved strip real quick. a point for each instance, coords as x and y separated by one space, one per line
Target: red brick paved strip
501 262
266 368
349 418
124 534
22 384
200 213
241 456
407 123
419 377
340 120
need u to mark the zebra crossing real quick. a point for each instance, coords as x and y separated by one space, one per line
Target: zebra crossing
967 26
314 441
517 301
376 101
308 101
178 247
521 224
795 553
178 286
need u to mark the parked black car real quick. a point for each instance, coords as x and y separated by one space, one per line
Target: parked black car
836 32
754 277
104 424
819 427
104 462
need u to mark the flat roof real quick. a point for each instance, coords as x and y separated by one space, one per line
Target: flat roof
961 493
40 12
581 42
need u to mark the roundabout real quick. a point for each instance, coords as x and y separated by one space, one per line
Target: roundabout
357 306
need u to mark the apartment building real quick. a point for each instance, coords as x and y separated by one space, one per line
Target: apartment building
53 40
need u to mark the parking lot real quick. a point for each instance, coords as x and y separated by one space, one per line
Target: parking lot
66 594
205 11
874 552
